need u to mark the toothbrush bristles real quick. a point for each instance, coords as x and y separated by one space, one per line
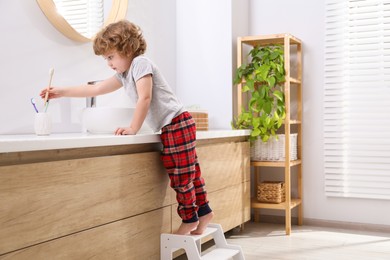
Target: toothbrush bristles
51 72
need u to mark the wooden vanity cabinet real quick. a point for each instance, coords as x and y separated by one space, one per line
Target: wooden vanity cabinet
109 202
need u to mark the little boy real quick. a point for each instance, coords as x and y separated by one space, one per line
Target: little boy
122 45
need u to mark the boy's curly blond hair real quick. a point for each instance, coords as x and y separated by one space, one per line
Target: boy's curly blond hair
124 37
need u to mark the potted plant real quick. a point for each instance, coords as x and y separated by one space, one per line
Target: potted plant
262 79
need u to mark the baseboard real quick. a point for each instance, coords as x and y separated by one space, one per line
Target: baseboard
327 223
347 225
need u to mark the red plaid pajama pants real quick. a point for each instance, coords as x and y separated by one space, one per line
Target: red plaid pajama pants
181 162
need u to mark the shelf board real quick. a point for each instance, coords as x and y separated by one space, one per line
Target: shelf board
274 163
261 205
292 80
295 122
269 39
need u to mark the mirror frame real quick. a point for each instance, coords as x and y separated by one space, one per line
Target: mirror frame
118 12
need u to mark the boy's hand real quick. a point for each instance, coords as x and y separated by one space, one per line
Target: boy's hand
125 131
53 93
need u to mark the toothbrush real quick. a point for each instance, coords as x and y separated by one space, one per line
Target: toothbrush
46 104
33 103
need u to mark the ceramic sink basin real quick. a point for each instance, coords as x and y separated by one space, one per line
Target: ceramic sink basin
105 120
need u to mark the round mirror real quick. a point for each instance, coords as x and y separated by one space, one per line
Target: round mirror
80 20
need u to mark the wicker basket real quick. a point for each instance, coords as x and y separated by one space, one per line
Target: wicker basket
274 149
271 192
201 119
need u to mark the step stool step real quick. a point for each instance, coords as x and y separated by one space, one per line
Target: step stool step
221 254
209 231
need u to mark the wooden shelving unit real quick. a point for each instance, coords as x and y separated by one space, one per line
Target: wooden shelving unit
293 60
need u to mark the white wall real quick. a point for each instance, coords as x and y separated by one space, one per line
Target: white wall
204 59
30 46
305 20
206 51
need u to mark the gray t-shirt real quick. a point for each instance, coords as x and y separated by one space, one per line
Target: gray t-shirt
164 105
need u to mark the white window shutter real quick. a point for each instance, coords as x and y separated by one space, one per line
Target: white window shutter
357 99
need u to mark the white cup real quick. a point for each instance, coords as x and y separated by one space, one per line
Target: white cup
42 124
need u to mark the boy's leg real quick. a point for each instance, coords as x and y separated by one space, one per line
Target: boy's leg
205 213
182 183
200 191
179 157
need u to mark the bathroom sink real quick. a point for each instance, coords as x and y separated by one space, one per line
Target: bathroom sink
105 120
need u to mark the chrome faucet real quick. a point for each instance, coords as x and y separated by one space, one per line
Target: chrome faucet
91 101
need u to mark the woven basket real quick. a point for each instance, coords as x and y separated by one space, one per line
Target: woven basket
271 192
201 120
274 149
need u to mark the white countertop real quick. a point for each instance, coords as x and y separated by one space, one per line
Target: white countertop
24 143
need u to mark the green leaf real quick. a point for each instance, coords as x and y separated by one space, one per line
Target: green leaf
256 94
276 115
256 122
251 84
260 104
267 107
278 94
279 123
271 81
245 88
274 55
253 105
267 121
263 71
255 132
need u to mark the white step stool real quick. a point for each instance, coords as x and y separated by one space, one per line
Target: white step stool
192 245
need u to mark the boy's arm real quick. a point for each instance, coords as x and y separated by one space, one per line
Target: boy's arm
144 90
102 87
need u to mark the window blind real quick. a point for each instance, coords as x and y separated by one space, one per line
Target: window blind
357 99
85 16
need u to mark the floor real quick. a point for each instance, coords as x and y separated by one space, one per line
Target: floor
268 241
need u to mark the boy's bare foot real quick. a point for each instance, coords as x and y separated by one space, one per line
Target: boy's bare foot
186 228
203 222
